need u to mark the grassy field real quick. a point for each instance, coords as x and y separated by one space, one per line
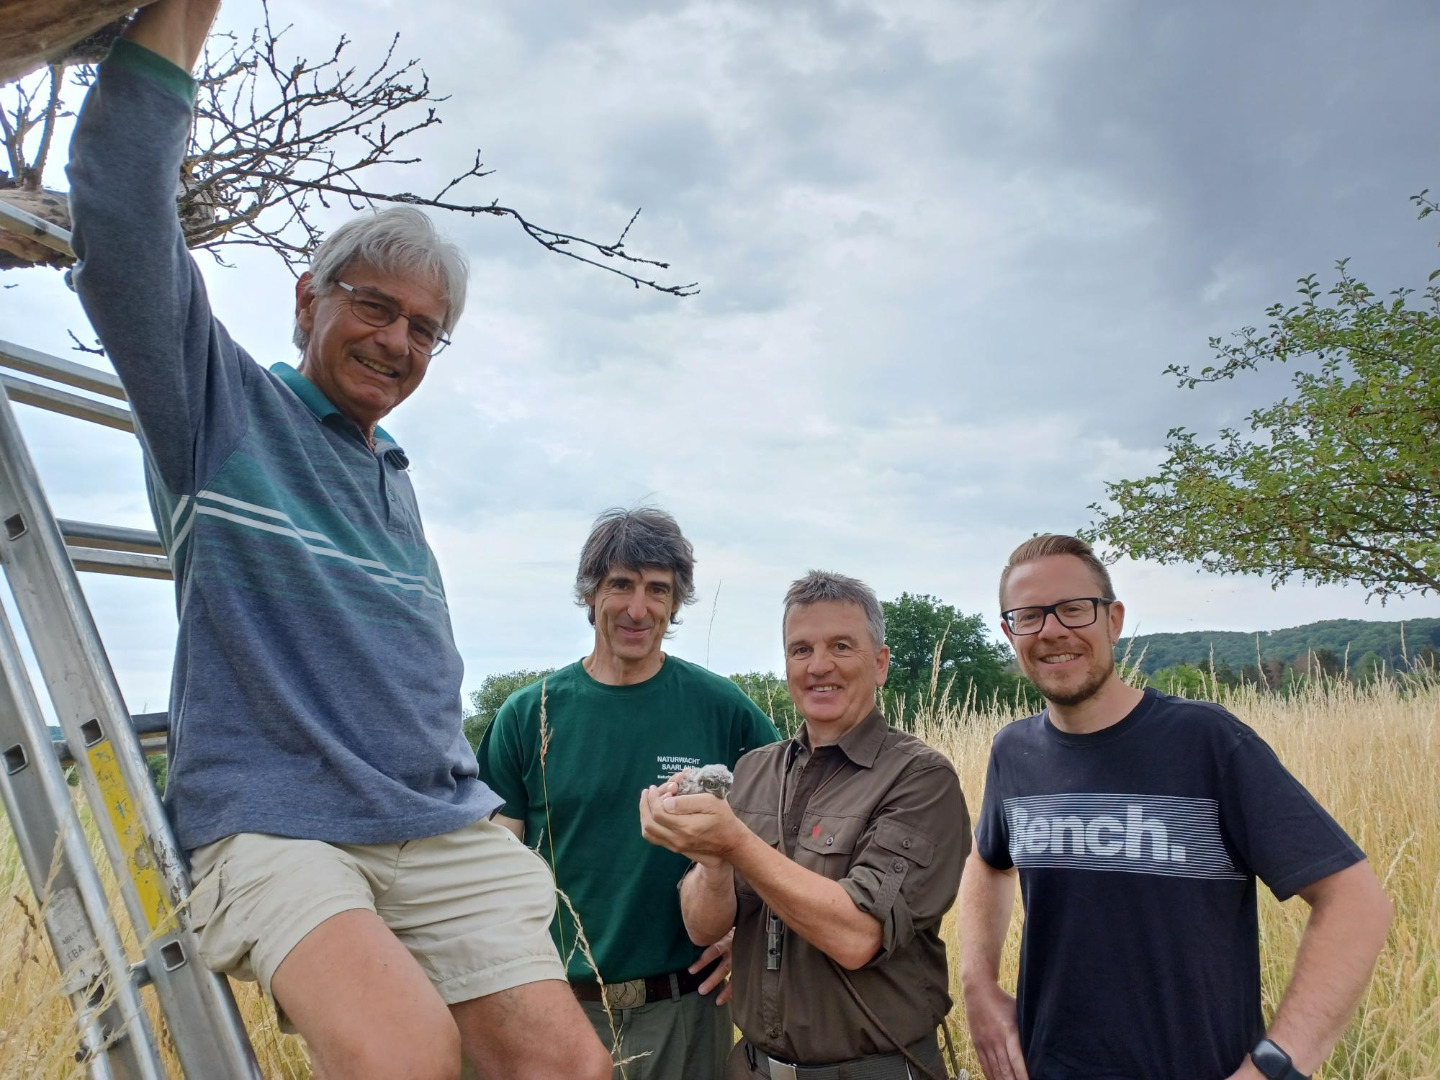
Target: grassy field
1370 755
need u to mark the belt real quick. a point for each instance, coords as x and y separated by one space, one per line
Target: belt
636 992
874 1067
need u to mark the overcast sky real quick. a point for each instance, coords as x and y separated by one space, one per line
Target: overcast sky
945 251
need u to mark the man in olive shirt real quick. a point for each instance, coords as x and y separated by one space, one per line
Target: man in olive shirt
835 859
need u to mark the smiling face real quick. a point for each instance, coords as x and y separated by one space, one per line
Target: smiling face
632 610
832 667
1069 666
364 370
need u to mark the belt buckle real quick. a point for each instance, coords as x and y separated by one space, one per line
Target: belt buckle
625 995
781 1070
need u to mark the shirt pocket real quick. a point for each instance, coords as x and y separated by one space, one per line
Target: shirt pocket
902 840
827 844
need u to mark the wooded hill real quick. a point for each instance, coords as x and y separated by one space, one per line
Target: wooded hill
1398 644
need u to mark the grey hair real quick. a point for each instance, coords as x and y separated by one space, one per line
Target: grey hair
400 241
819 586
641 539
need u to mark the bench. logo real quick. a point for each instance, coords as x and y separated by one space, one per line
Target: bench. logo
1139 834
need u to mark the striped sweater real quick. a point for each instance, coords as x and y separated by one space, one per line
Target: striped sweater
316 689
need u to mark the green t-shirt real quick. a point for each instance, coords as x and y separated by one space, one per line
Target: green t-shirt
580 800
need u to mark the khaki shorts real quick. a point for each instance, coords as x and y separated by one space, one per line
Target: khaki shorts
472 906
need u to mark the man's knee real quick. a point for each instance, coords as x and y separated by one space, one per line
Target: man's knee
532 1036
584 1059
593 1061
435 1056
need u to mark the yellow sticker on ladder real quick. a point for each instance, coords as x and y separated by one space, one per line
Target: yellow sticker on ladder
129 830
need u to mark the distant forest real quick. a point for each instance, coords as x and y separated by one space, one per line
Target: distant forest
1332 646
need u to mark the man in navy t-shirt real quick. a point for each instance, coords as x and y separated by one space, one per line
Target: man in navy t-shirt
1138 824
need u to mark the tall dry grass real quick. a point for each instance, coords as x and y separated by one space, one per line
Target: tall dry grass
1371 755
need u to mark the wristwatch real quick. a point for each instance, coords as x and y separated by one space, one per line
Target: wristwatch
1274 1063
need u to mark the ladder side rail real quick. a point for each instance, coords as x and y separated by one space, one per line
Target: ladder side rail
34 362
204 1021
116 1039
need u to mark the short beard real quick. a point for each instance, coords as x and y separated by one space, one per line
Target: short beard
1082 693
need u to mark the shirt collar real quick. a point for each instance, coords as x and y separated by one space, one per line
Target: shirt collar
323 408
861 744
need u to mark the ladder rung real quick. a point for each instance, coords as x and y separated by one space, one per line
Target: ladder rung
149 723
82 408
36 228
110 537
122 563
34 362
150 728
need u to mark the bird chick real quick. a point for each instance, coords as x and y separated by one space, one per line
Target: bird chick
708 779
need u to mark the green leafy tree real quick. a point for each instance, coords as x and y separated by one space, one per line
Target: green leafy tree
1183 680
969 662
769 692
1338 482
1324 662
1369 667
486 702
1222 672
159 767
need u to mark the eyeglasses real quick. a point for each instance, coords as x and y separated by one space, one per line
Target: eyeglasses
1081 611
376 309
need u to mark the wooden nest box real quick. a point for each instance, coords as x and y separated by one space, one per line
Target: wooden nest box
35 34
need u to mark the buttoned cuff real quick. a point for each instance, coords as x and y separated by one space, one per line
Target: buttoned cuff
879 895
876 880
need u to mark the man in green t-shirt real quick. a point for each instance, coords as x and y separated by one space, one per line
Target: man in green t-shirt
568 754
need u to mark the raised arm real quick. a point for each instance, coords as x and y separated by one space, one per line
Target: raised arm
987 896
1349 918
140 288
174 29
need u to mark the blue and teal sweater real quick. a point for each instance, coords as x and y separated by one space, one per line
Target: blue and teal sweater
316 689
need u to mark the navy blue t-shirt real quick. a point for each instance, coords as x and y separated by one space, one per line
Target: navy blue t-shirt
1138 848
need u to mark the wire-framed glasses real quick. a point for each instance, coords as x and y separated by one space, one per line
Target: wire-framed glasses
376 309
1081 611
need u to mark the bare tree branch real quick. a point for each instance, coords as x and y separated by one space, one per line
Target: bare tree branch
94 350
279 138
31 178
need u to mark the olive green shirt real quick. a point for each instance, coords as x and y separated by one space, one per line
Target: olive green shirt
881 813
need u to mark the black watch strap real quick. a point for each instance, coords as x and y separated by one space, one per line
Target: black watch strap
1274 1063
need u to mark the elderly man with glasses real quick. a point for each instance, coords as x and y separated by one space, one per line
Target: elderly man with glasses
1138 824
319 778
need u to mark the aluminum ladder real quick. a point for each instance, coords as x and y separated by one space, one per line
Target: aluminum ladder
107 748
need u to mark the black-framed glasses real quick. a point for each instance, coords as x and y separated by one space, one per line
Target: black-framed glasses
376 309
1074 614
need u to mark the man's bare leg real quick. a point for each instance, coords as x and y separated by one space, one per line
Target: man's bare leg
364 1006
531 1032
